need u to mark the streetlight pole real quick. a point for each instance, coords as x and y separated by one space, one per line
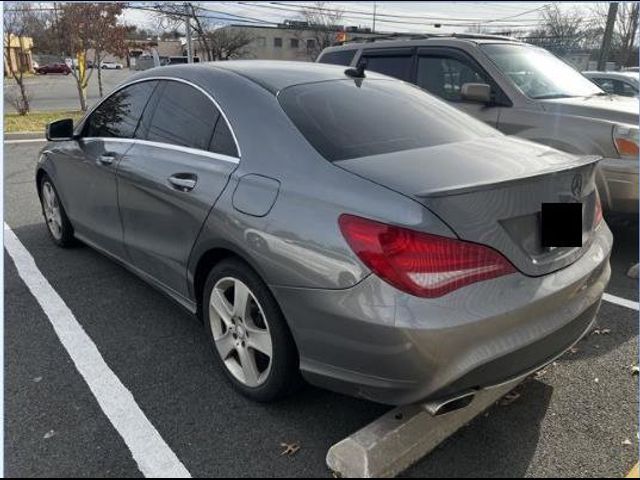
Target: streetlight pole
374 17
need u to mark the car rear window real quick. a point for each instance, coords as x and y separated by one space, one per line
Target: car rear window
346 119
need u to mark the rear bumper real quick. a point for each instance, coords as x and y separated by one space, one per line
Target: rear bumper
375 342
618 185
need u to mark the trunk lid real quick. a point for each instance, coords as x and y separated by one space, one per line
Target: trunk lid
490 191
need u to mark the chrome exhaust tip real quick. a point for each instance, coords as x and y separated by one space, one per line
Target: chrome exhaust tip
442 407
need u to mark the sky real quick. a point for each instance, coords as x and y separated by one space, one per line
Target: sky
408 16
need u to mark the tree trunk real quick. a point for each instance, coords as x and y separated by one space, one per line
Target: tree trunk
81 96
96 64
23 93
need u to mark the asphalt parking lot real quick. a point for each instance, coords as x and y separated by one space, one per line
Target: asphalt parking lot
59 92
577 418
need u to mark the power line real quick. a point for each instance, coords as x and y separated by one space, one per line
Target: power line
366 16
213 17
403 16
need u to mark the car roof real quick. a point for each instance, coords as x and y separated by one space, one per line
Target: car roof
273 75
423 40
595 73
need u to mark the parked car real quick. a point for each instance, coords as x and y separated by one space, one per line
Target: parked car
617 83
521 90
397 257
110 65
54 68
631 69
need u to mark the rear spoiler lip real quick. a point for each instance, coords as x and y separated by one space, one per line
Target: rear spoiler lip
462 189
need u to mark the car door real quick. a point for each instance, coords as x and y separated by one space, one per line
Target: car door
443 72
87 170
170 179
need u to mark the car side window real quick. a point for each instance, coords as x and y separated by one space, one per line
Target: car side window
624 89
397 66
606 84
183 116
340 57
444 76
222 141
118 116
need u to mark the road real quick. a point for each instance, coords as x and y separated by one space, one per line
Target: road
573 420
59 92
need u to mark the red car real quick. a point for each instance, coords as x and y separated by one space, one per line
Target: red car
54 68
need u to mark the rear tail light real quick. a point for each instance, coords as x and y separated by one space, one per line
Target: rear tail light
419 263
597 214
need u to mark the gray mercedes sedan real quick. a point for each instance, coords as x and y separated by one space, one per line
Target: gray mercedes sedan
335 225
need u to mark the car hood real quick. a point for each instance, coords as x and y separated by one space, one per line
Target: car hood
613 108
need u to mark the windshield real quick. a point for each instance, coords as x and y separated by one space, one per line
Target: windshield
345 119
538 73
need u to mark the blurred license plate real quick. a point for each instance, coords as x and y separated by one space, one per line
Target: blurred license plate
561 225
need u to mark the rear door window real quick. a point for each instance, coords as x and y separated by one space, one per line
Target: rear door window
340 57
183 116
397 63
345 119
222 141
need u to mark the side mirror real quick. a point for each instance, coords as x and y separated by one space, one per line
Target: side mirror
60 130
476 92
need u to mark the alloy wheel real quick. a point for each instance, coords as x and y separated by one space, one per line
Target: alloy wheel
240 331
52 212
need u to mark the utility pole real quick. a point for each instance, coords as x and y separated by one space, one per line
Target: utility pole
187 25
374 17
608 35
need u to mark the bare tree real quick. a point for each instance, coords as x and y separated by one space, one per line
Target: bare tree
217 42
228 42
322 24
106 35
561 30
16 25
173 16
624 39
74 24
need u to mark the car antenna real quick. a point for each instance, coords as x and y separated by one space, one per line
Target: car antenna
357 72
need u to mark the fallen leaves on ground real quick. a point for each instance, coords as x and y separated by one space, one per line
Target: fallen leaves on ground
508 399
290 449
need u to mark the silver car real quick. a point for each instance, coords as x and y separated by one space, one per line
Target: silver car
520 90
334 223
625 84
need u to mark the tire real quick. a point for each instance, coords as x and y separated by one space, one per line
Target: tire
249 370
55 217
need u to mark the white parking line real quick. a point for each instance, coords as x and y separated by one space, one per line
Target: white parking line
154 457
26 140
623 302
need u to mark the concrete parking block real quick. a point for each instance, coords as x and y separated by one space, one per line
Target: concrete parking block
401 437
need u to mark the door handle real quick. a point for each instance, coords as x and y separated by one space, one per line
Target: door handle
106 158
183 182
